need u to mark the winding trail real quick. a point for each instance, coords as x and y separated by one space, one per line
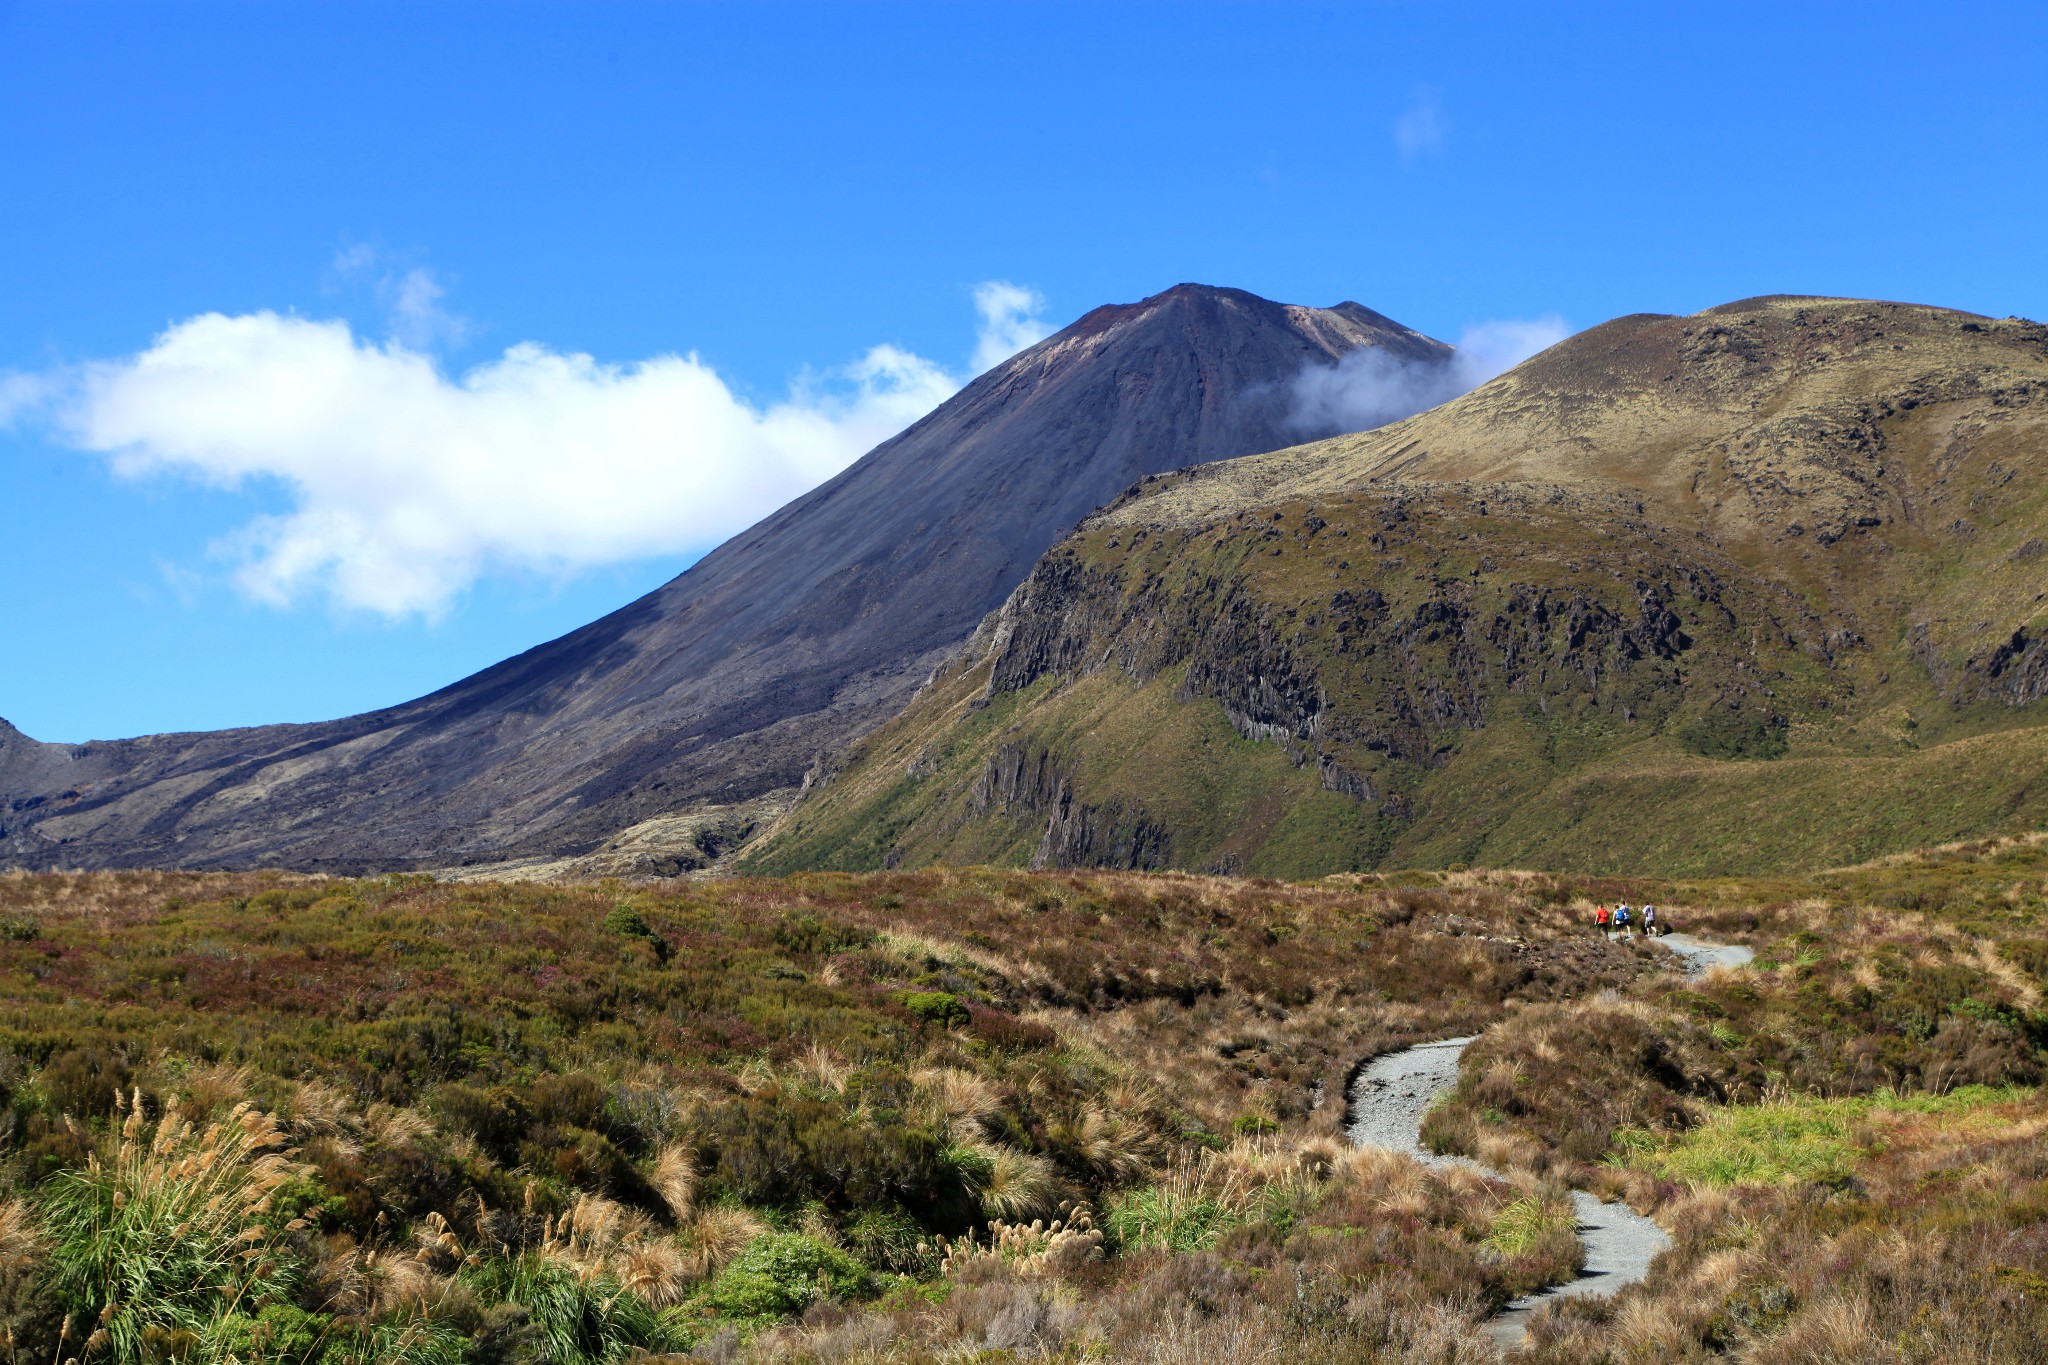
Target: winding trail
1392 1093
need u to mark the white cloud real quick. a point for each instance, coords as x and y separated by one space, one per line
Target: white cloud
1009 322
1486 349
406 483
1368 388
1419 131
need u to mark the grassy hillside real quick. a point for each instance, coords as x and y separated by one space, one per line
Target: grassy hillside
1739 592
997 1115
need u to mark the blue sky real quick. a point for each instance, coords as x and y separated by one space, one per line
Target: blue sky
698 223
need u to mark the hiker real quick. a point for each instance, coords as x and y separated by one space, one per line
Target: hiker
1649 921
1602 918
1621 920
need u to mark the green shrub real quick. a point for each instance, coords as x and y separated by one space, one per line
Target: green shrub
84 1081
2030 955
627 922
408 1341
493 1115
891 1239
279 1332
782 1274
1525 1224
784 1151
1253 1125
573 1098
805 933
934 1007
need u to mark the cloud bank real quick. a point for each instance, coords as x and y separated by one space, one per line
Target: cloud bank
1368 388
406 483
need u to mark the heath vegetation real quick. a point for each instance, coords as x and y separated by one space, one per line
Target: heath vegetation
260 1117
988 1115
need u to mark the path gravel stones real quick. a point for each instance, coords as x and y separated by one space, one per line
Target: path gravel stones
1620 1244
1390 1095
1700 955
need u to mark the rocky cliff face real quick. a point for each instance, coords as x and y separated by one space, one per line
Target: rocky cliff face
1031 783
1758 587
728 683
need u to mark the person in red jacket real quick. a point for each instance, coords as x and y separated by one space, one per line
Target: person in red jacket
1602 918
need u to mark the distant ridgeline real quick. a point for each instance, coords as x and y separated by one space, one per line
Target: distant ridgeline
1760 588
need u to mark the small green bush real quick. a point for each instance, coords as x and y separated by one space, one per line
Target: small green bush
401 1341
176 1231
778 1150
1526 1223
493 1115
627 922
279 1332
934 1007
803 932
782 1274
85 1081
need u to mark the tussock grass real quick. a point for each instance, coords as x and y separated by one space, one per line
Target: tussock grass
172 1229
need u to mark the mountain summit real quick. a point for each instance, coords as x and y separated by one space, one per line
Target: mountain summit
727 683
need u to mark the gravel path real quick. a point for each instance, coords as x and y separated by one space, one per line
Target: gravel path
1620 1244
1390 1096
1392 1093
1700 955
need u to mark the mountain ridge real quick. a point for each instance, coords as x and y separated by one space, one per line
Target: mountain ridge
726 684
1731 567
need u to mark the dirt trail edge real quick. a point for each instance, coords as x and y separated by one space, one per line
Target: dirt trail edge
1392 1093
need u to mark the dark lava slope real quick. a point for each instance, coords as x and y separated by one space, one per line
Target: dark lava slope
727 682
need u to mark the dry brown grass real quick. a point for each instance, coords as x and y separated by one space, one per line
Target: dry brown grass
564 1096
